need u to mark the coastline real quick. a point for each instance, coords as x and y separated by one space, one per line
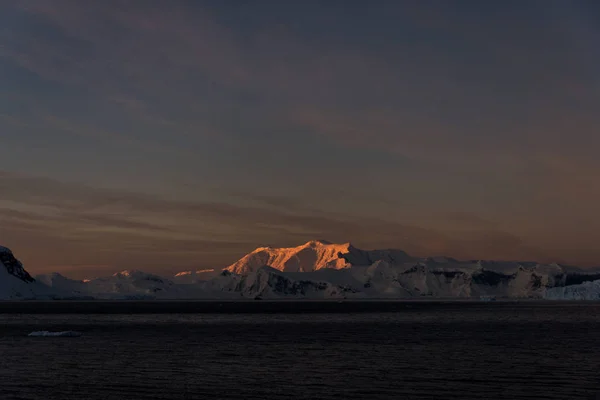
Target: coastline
259 307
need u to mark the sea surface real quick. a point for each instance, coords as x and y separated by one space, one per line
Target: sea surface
431 351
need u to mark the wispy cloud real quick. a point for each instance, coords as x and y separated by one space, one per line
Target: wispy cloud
133 229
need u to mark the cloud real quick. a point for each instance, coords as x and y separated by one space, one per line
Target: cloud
88 226
498 124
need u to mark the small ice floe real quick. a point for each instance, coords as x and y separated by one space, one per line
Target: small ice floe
55 334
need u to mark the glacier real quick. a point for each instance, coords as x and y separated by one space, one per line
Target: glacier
318 270
583 291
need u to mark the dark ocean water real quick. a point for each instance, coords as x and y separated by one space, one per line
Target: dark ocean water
499 351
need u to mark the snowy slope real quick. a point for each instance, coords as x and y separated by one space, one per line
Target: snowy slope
62 285
189 277
429 279
132 284
270 283
121 285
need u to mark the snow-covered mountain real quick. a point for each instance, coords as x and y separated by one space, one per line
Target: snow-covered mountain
318 270
63 286
128 284
15 281
313 256
342 270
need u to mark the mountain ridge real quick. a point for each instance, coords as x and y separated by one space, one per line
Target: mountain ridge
313 256
320 270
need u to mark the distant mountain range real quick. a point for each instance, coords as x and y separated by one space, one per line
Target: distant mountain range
318 270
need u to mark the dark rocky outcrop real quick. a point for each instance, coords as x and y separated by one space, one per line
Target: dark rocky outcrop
14 266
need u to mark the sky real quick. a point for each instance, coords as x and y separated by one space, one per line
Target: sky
176 135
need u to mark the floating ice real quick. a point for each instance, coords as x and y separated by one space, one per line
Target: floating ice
55 334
